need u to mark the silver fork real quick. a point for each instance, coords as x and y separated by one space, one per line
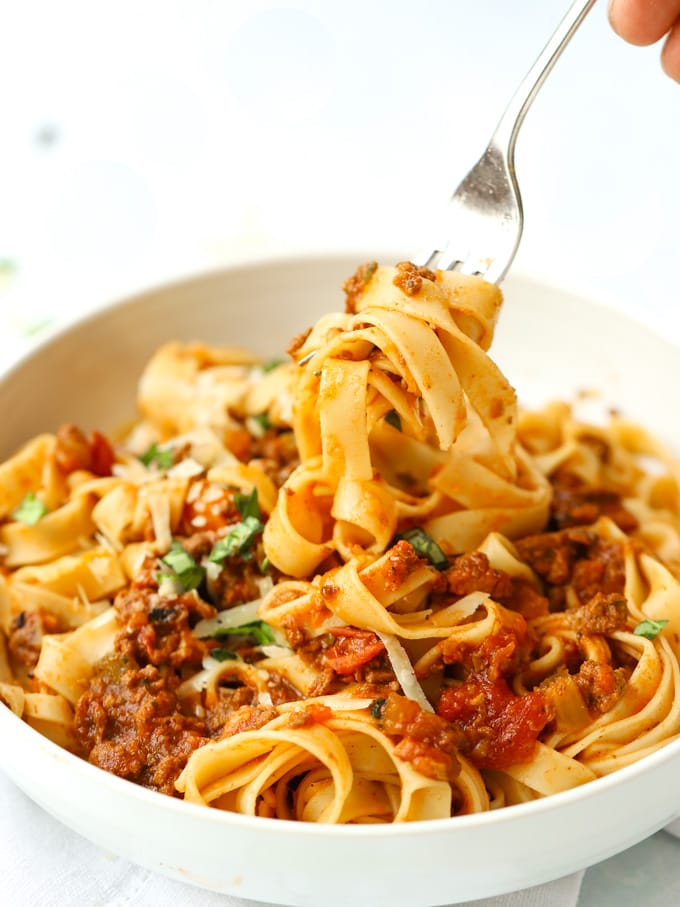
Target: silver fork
485 215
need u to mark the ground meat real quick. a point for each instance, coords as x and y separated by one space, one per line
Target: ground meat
157 629
247 718
277 453
308 715
601 685
355 285
499 654
473 573
129 723
324 684
346 655
410 277
26 634
603 570
233 695
526 600
229 701
237 582
297 342
573 504
575 556
603 614
552 554
200 544
402 560
428 741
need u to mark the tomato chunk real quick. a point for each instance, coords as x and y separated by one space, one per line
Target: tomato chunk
500 728
353 648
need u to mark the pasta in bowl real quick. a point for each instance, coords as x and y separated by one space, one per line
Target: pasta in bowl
357 587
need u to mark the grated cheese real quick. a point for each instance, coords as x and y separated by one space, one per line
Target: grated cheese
404 672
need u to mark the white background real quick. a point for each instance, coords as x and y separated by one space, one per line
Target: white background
143 139
140 140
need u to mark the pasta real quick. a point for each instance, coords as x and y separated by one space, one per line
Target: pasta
358 586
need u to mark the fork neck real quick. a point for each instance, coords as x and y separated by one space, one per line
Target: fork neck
505 134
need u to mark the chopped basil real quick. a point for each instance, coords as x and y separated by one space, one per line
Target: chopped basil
649 628
271 364
425 547
378 708
238 541
155 454
262 421
30 510
222 654
257 629
392 418
248 504
160 614
264 565
183 567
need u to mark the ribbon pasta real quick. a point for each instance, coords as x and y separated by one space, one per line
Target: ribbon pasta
359 587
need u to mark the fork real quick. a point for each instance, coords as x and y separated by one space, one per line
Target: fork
485 215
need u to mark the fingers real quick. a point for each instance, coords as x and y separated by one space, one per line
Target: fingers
645 21
670 55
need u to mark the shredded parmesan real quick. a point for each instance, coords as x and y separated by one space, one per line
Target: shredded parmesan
404 671
169 586
159 507
273 651
185 469
264 584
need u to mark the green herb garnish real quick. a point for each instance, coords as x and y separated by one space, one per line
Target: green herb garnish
271 364
155 454
649 628
392 418
425 547
183 567
248 504
262 420
257 629
240 537
238 541
378 709
221 654
30 510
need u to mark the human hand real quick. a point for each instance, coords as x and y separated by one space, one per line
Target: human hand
647 21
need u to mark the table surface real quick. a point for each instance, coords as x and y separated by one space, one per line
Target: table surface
141 142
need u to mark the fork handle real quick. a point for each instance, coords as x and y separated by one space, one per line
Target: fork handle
505 134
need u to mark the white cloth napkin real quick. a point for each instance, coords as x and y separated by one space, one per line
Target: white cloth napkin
43 862
673 828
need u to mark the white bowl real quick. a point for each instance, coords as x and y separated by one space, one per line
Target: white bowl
550 343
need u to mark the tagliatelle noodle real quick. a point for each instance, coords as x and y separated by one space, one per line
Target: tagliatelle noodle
448 394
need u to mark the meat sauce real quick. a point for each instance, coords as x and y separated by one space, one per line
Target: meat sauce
132 721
